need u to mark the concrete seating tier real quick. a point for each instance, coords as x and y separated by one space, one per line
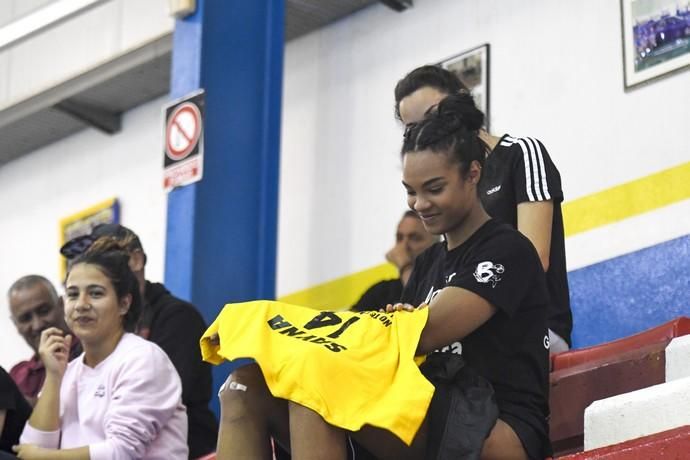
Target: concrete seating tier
668 445
580 377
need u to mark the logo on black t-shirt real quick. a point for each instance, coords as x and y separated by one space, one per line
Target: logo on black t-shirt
431 295
493 190
488 272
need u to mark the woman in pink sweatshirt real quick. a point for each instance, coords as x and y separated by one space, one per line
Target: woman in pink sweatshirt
121 399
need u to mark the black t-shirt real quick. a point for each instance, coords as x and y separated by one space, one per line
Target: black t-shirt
18 412
520 170
510 350
379 295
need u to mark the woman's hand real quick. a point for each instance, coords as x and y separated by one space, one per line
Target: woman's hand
54 350
390 308
32 452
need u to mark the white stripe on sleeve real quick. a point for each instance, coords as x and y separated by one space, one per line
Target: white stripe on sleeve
528 169
542 169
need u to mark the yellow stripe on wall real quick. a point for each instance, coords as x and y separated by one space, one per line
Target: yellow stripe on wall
598 209
341 293
627 200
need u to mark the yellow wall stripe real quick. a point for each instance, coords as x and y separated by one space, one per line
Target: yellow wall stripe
587 213
341 293
627 200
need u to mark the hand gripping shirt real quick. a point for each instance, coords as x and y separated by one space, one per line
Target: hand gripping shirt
353 368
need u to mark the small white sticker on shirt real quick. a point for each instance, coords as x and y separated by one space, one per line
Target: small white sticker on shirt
488 272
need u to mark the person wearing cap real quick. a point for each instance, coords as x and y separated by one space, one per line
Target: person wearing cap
34 307
174 325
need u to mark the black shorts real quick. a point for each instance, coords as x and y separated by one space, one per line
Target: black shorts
463 410
536 442
461 415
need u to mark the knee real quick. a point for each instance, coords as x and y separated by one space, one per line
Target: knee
243 394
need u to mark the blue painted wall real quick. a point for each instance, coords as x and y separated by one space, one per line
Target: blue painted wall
630 293
222 231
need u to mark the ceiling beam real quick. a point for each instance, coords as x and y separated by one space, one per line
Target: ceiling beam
99 117
44 18
70 88
398 5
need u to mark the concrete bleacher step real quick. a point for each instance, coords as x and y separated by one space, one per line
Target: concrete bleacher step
678 358
638 413
574 389
580 377
668 445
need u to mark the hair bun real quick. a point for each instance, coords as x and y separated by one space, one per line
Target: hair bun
460 108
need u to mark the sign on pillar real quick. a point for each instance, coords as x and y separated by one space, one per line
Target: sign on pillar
184 141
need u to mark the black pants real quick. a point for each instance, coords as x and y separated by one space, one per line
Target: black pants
463 410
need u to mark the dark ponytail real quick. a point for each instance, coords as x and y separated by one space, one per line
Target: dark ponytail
432 76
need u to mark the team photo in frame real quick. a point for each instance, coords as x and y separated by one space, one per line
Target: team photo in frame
656 39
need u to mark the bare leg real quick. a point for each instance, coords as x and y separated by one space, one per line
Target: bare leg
503 444
311 438
386 446
249 416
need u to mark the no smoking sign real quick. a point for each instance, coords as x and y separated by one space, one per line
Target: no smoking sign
184 128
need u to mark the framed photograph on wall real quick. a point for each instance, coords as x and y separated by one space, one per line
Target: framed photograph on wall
472 67
656 39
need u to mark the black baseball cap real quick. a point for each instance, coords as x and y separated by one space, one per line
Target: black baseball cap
78 245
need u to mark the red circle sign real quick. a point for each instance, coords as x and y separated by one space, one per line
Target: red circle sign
182 131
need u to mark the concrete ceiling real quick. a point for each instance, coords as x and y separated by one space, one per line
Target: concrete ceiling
98 98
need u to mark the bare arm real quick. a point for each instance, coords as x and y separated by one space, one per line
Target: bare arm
54 352
453 314
3 413
534 220
46 414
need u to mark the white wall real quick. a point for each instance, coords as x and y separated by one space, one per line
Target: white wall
11 10
556 74
63 178
77 45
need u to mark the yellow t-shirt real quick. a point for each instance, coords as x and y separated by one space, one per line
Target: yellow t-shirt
353 368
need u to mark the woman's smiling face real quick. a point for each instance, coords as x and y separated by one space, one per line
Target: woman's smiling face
437 191
92 309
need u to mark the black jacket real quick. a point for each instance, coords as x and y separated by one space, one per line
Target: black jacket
176 326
